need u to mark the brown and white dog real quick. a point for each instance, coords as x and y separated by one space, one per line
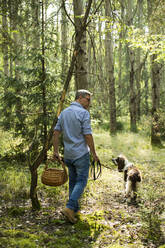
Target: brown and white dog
132 175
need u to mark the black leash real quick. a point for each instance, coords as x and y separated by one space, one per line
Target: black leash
96 169
106 166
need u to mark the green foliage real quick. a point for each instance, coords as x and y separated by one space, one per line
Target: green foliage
15 184
151 208
151 43
5 142
11 147
121 125
21 93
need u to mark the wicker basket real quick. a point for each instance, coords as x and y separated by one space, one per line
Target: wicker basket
54 176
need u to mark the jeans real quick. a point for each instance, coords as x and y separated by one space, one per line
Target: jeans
78 177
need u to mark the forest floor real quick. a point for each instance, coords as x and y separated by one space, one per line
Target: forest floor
106 219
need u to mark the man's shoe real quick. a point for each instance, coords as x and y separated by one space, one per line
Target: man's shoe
78 213
69 213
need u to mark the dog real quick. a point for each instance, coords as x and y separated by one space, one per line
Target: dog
132 176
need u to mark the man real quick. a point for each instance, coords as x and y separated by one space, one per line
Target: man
74 123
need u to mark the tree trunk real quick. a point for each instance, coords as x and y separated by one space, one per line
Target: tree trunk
90 59
5 52
81 58
145 77
10 30
120 51
132 103
43 78
138 62
33 190
18 48
35 10
101 65
110 66
5 38
64 45
131 53
155 80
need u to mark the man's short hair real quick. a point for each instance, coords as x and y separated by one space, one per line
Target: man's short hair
82 93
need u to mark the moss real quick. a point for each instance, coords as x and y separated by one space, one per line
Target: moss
18 234
92 225
8 242
25 243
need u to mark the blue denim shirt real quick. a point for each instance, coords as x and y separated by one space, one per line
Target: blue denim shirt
74 122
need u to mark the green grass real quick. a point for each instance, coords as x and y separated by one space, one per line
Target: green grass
134 146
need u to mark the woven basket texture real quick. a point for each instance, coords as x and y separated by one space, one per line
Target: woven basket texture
54 176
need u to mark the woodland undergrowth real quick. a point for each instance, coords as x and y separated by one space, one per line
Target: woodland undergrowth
106 219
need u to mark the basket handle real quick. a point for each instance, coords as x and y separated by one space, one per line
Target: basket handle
52 160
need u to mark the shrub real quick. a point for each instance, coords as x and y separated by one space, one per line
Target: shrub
151 208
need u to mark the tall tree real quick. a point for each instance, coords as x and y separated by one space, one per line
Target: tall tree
155 77
43 82
131 53
120 50
110 65
81 58
17 51
64 42
5 38
138 61
35 11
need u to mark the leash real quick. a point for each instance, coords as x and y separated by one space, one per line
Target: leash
96 169
106 166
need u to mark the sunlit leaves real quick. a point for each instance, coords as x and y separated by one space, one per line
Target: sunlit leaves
151 43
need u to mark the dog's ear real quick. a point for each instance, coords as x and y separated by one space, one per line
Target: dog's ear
121 162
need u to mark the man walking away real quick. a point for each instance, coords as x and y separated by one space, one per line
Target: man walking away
74 123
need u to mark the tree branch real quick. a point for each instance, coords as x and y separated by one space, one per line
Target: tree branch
63 6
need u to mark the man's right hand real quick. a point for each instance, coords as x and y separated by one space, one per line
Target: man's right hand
96 158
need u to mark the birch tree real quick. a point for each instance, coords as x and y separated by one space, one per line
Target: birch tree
64 42
110 65
155 79
138 61
81 58
131 53
35 11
